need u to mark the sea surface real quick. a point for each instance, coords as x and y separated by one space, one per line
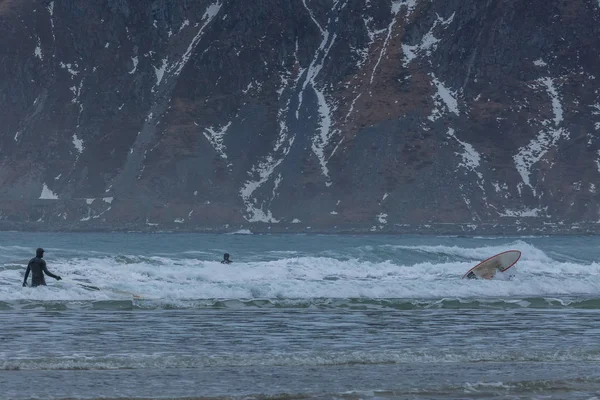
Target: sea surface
299 316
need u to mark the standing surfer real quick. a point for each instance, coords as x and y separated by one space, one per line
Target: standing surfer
38 268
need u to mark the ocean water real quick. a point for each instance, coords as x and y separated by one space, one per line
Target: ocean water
299 316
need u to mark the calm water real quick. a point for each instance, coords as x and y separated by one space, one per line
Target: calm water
299 316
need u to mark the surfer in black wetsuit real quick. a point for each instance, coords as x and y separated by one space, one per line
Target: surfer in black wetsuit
226 259
38 268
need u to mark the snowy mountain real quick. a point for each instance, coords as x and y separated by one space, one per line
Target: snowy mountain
320 115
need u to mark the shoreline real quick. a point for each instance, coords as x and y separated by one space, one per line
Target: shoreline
446 229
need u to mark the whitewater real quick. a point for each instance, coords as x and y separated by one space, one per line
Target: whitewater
310 316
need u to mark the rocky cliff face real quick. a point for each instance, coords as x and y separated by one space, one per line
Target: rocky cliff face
300 115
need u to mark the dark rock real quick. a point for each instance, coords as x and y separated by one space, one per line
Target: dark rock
284 116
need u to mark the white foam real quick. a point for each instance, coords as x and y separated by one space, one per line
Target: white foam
333 356
242 232
177 279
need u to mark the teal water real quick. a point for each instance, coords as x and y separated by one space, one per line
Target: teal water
299 316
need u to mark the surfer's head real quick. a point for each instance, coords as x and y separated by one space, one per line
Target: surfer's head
226 256
39 252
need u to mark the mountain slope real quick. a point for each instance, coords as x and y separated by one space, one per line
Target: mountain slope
304 114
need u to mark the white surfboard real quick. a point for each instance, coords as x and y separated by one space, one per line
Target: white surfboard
498 263
90 287
74 282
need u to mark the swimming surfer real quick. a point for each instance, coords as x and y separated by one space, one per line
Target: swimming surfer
226 259
38 268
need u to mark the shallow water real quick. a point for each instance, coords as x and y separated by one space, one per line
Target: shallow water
299 316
